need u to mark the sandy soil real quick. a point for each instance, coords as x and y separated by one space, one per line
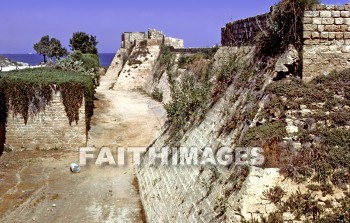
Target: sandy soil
37 186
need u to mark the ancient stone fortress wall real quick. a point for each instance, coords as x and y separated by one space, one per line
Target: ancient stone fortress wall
153 37
129 38
326 35
47 130
326 39
243 31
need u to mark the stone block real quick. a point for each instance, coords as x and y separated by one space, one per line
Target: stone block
315 35
347 21
317 21
330 28
330 7
346 35
345 14
328 21
321 7
347 7
339 35
331 35
343 28
335 14
311 14
324 35
311 42
325 14
345 49
308 20
320 28
310 27
339 21
307 34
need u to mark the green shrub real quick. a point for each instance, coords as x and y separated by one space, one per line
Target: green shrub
83 63
258 135
189 99
157 95
90 61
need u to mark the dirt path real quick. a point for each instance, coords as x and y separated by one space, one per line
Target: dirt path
37 186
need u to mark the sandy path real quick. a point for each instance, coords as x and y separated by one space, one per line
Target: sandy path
42 189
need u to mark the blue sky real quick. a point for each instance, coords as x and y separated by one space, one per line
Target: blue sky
24 22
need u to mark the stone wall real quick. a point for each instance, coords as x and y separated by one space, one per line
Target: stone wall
326 40
128 38
153 37
155 34
194 193
176 43
326 35
47 130
243 31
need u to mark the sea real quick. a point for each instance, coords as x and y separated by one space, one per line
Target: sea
35 59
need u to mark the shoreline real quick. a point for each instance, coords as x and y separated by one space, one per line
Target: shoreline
11 68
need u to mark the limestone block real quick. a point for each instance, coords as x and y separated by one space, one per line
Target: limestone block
324 35
345 14
328 21
339 21
334 49
347 21
321 7
335 14
312 42
307 34
310 27
346 35
317 21
307 20
347 7
330 7
345 49
325 14
331 35
311 14
343 28
320 28
330 28
339 35
315 35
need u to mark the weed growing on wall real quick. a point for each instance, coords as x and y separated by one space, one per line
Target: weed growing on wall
286 27
190 96
28 92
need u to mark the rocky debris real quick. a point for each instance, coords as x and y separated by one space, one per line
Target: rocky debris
287 62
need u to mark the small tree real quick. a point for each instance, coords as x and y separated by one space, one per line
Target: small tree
50 48
56 49
84 43
42 47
